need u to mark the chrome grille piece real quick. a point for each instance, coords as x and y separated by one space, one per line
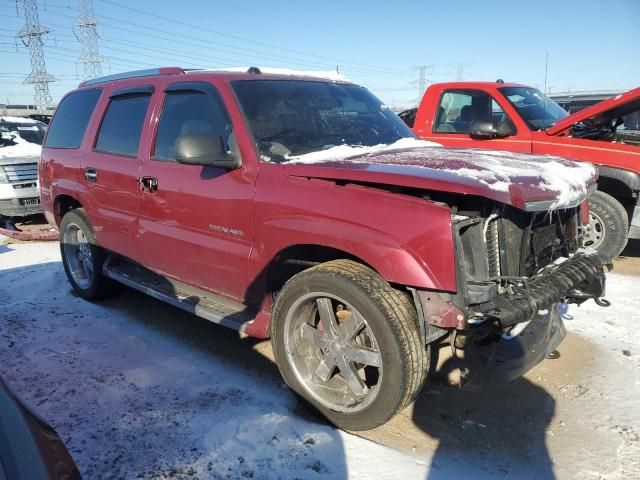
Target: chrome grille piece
24 172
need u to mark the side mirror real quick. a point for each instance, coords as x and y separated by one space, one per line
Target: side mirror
488 130
205 150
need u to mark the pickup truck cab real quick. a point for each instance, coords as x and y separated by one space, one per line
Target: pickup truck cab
300 208
518 118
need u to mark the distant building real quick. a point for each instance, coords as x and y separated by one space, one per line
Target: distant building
30 111
14 110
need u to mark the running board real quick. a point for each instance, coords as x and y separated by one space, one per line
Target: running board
202 303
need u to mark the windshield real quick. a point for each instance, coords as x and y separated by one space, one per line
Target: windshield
294 117
32 132
538 110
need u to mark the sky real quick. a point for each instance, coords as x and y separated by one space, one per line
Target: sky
591 44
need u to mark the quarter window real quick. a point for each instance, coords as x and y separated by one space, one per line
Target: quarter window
458 109
71 119
188 112
122 125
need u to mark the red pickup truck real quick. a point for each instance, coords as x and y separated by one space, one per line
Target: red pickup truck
302 208
517 118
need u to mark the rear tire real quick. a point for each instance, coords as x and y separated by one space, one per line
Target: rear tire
608 225
82 257
349 344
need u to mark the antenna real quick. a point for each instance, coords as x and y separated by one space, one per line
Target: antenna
86 31
33 36
546 72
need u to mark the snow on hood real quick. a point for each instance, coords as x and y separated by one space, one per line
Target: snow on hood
515 178
569 180
328 75
8 119
341 152
22 148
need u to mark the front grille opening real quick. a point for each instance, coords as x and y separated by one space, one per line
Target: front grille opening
507 242
23 172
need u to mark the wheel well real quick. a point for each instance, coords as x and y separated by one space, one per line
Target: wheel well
62 205
297 258
616 188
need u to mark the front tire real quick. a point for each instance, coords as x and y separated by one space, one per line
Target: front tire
82 257
349 344
608 225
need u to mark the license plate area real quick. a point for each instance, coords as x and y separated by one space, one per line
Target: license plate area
30 201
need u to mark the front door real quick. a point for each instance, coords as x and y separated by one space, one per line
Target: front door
456 111
196 222
111 168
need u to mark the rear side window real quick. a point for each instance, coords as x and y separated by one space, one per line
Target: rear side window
187 112
122 125
71 119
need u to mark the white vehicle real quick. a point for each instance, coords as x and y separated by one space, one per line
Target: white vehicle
20 145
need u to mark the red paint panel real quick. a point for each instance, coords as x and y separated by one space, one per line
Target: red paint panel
406 240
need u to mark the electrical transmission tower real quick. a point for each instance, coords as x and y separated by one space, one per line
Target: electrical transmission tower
33 36
459 71
424 72
86 31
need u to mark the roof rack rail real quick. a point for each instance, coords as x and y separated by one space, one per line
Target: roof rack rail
133 74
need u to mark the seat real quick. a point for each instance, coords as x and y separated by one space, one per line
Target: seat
441 122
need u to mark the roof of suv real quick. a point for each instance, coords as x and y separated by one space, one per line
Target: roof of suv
235 73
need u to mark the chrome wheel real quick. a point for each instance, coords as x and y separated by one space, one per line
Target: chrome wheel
333 352
77 255
595 232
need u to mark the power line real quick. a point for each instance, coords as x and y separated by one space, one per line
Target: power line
86 30
236 50
33 37
334 61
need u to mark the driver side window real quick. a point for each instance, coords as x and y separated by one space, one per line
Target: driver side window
458 109
189 112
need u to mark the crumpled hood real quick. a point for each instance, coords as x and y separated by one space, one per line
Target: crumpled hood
527 182
603 111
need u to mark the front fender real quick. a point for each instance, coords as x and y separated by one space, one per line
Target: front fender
407 240
630 180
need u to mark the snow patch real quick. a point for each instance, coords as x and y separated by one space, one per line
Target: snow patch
10 119
341 152
135 395
500 170
22 148
566 180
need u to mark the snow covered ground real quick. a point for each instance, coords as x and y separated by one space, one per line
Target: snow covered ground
138 389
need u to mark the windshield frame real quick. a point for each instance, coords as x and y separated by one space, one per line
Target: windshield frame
275 159
504 92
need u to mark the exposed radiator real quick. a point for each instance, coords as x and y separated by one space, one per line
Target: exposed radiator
493 246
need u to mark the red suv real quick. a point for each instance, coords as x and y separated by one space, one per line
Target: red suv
303 209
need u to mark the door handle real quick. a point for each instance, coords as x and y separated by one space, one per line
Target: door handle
148 184
91 174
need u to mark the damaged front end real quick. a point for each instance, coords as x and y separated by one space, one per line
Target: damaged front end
514 269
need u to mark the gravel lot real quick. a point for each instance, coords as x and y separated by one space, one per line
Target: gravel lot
139 389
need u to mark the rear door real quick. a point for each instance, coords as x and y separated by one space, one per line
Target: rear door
112 167
196 224
458 108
